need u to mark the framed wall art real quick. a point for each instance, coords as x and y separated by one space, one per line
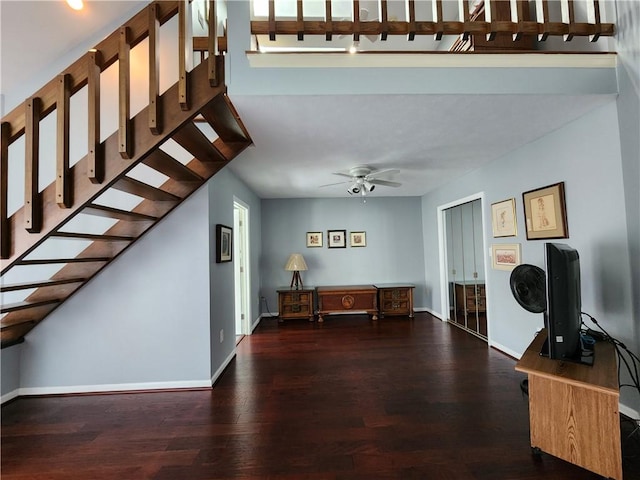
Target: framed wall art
314 239
224 243
337 238
505 256
545 214
358 239
503 218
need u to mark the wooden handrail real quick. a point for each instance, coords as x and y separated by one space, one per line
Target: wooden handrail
25 120
138 28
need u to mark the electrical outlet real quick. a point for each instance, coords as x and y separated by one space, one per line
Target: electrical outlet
221 335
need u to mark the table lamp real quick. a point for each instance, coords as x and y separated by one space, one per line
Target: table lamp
295 264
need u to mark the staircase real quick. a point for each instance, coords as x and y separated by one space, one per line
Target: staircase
186 113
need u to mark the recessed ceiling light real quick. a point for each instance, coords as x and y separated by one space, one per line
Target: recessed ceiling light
75 4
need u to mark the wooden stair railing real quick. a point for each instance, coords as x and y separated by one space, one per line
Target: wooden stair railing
438 26
199 95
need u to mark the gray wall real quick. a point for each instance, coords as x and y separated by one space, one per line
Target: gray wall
393 253
152 318
142 322
628 47
223 188
586 156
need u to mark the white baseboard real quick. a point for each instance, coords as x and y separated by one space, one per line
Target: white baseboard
9 396
503 349
114 387
224 365
438 315
629 412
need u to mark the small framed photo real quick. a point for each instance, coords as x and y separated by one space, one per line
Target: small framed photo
505 256
545 214
314 239
337 238
358 239
503 218
224 243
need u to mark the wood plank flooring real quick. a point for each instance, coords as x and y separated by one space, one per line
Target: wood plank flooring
349 399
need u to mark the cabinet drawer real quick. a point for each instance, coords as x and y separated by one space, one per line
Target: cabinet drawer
395 294
301 309
295 297
395 305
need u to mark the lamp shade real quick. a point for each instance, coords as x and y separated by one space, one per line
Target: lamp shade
295 263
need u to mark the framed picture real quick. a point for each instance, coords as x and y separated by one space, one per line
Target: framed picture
358 239
314 239
505 256
337 238
545 213
224 243
503 218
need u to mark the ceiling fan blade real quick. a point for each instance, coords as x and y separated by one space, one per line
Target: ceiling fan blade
342 174
386 183
386 171
332 184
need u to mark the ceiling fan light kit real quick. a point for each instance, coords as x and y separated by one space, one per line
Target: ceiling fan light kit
363 179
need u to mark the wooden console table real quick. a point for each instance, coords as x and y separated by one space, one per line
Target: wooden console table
573 408
352 298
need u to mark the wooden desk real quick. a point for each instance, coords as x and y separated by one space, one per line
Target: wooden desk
351 298
573 408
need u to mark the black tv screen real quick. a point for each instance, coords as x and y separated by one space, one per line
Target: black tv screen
563 317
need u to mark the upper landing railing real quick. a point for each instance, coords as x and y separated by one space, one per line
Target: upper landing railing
540 19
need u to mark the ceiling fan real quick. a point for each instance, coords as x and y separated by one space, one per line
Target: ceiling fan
363 179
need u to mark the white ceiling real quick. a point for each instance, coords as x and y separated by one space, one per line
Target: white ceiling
300 140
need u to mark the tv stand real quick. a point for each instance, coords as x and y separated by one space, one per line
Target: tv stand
573 408
586 355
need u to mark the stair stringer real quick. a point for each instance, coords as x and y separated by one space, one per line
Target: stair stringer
214 106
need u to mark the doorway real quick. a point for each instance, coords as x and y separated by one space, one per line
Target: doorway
241 268
463 266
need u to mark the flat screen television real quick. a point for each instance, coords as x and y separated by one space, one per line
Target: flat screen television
563 317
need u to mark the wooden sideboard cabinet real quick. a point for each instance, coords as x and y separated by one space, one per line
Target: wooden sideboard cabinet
295 303
395 299
470 297
573 408
355 298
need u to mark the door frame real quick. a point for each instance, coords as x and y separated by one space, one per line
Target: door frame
242 278
442 249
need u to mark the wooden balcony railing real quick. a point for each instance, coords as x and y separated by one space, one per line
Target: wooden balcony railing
460 22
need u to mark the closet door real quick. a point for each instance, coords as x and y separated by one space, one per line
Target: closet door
453 220
465 262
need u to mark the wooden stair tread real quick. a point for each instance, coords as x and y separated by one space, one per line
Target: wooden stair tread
12 307
93 237
141 189
197 144
38 284
47 261
224 119
169 166
111 212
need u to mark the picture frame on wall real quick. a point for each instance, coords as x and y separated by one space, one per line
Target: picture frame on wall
337 238
314 239
545 212
503 218
224 243
358 239
505 256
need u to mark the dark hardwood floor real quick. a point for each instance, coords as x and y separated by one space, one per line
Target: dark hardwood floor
347 399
